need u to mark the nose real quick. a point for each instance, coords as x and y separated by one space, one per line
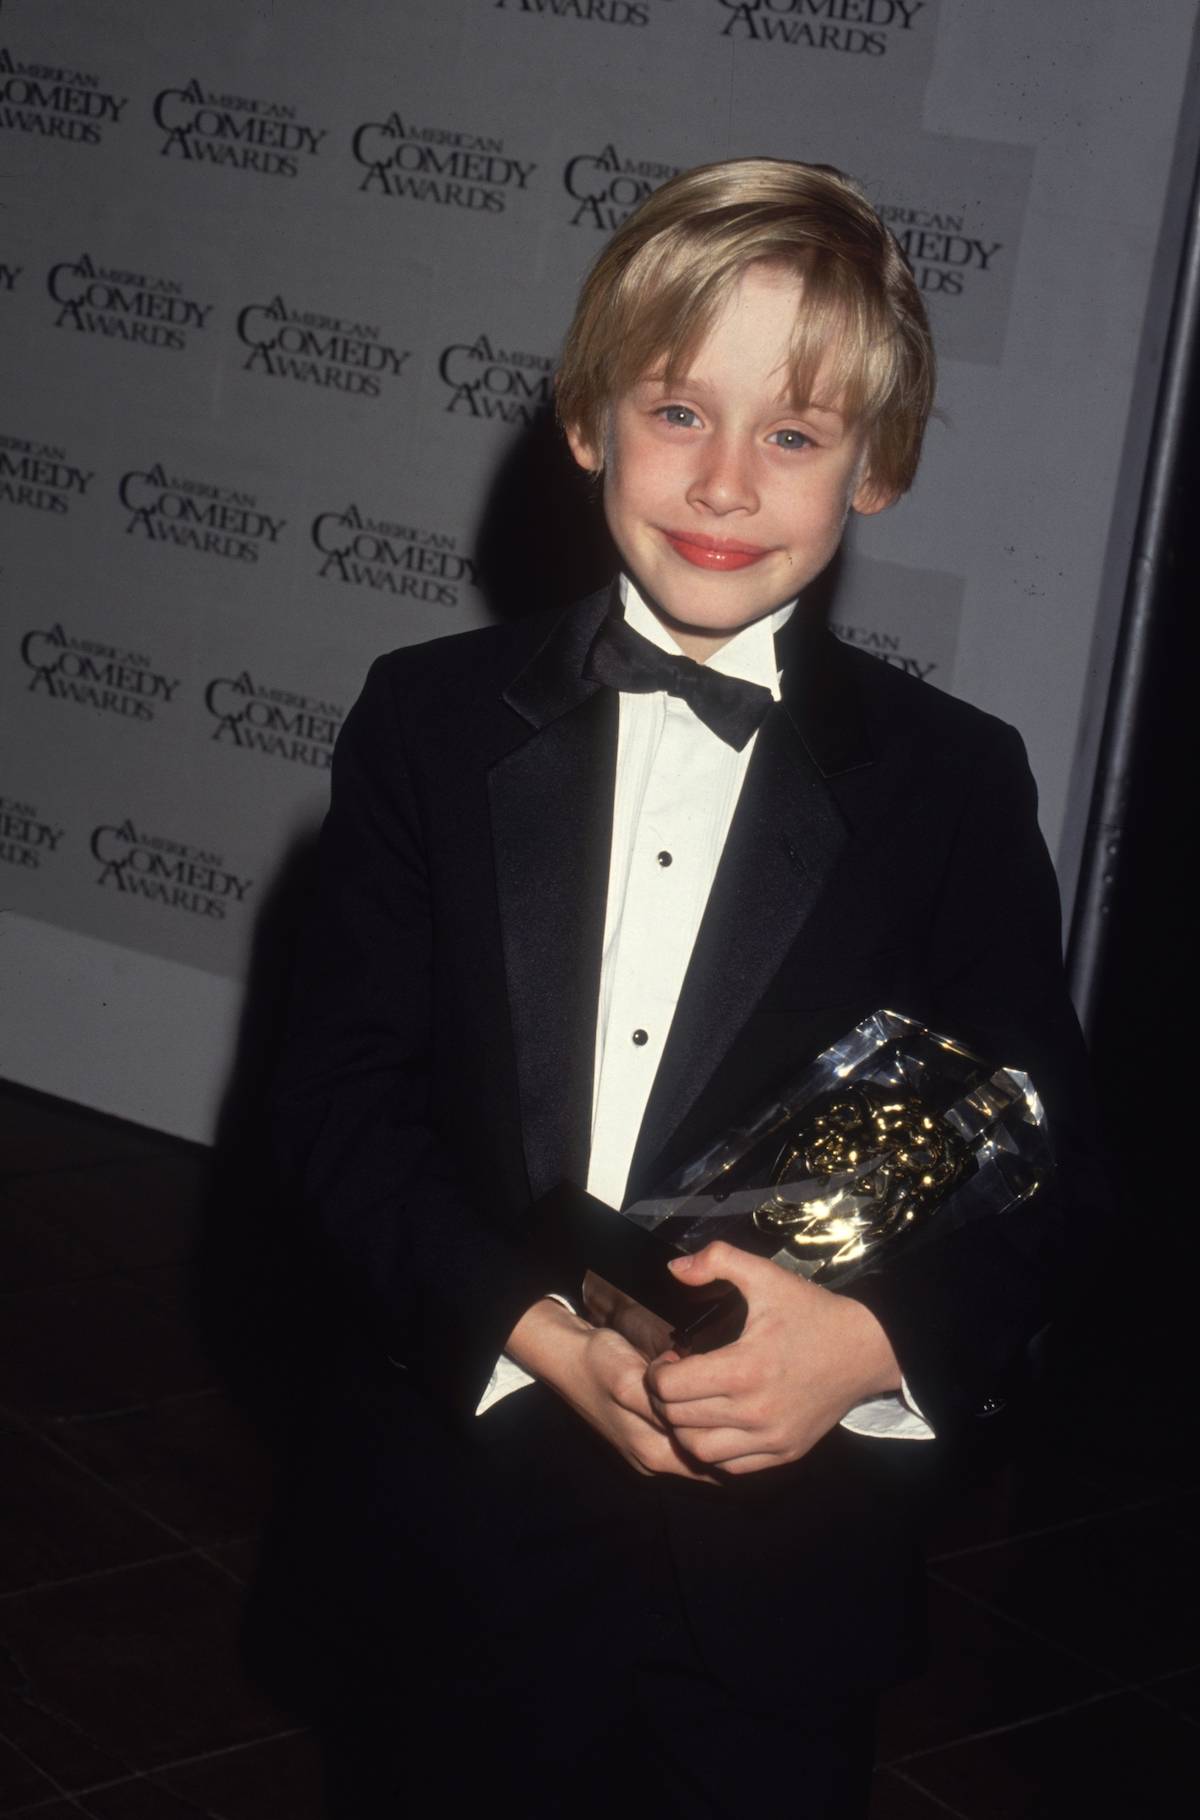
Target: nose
724 479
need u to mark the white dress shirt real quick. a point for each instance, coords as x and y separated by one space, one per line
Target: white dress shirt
677 786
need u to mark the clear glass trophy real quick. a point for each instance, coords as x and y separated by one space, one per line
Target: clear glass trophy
892 1135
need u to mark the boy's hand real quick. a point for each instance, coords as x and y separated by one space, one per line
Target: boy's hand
603 1378
805 1357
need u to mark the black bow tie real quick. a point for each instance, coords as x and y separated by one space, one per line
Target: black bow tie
622 659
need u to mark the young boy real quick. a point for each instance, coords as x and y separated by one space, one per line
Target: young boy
593 884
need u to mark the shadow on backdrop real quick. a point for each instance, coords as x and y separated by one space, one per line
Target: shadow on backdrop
261 1289
541 540
256 1290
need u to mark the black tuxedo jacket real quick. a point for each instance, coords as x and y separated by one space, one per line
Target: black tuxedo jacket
884 852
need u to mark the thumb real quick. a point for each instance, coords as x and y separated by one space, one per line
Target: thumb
720 1259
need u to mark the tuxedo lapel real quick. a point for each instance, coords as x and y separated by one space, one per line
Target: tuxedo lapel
551 808
786 837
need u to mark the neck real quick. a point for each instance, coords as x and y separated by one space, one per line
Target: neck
693 641
699 646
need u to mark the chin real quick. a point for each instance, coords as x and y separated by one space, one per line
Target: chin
719 618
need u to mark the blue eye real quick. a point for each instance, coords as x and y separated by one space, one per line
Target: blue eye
680 416
791 439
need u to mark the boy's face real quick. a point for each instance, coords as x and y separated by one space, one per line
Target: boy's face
724 500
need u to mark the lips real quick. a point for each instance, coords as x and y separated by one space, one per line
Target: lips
722 553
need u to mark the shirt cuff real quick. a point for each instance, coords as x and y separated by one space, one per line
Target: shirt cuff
891 1418
507 1375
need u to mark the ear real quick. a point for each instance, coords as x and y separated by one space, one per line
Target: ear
870 496
584 451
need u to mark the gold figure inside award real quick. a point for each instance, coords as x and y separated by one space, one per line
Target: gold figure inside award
878 1159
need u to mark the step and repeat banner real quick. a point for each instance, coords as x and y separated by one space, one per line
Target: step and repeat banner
281 292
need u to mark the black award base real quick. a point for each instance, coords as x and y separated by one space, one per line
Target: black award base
582 1234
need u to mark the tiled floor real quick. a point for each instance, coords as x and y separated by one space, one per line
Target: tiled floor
1066 1644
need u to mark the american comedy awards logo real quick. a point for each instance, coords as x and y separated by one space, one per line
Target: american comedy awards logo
40 476
907 618
419 163
94 675
255 717
165 871
198 515
939 247
27 839
313 349
55 103
400 560
124 306
888 647
599 12
504 384
606 186
857 27
240 134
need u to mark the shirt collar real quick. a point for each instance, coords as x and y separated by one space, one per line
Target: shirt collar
749 655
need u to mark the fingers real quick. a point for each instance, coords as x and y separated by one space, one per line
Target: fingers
727 1372
718 1446
716 1407
655 1451
707 1412
722 1452
750 1462
720 1259
612 1395
649 1443
630 1396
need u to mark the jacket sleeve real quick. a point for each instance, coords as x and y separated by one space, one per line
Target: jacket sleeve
961 1310
439 1282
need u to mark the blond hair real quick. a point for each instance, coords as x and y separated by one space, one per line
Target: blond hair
656 289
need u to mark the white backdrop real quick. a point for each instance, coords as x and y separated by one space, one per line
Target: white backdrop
281 289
